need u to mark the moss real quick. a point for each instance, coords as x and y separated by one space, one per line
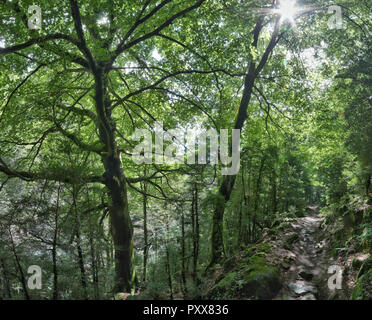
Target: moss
254 278
226 288
261 247
261 280
228 280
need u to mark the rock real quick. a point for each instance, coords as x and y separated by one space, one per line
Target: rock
290 258
297 289
262 283
302 289
305 274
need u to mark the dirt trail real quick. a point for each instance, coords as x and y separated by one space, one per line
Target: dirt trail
308 261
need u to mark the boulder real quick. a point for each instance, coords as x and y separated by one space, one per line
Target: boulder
254 278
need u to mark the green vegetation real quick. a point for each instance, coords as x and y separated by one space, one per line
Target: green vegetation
363 288
100 225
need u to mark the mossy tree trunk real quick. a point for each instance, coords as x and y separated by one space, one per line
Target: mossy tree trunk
115 181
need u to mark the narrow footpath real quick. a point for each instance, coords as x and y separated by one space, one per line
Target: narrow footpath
308 261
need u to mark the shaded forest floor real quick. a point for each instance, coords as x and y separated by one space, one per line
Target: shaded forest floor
293 261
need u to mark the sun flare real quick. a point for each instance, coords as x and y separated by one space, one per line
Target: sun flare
288 10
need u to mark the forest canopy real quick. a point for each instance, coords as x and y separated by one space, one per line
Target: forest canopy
277 91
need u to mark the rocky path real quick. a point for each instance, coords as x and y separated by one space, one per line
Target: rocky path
306 277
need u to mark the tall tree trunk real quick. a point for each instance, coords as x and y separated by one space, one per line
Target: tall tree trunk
227 182
274 193
196 235
183 255
154 269
54 249
95 265
122 229
81 266
167 264
145 231
368 184
22 277
78 245
257 198
247 228
94 257
55 271
243 201
6 279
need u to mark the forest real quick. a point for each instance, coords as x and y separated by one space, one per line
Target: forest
186 150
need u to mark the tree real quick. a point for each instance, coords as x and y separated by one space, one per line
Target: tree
95 48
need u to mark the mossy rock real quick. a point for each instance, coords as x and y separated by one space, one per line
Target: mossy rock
261 280
261 247
254 279
226 287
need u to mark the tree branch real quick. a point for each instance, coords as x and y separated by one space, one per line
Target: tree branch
41 40
64 177
121 48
